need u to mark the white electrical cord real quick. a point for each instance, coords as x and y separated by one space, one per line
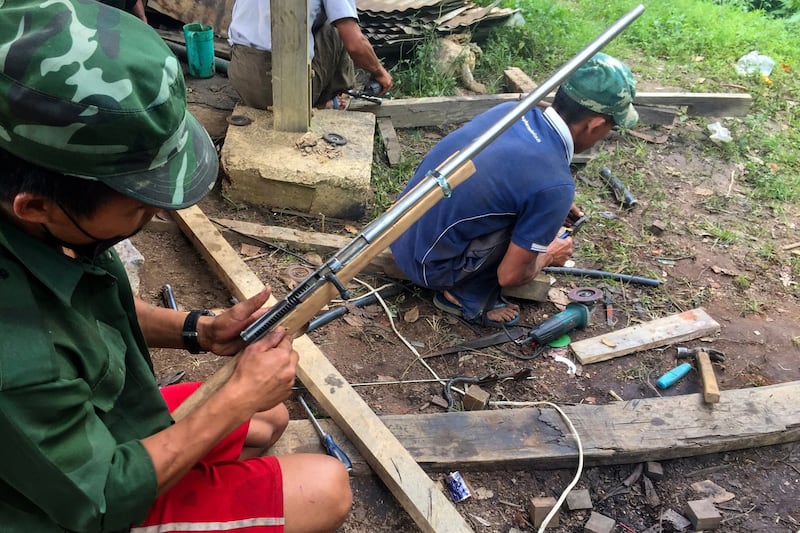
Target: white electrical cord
578 443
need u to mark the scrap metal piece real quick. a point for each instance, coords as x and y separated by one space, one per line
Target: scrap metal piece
238 120
334 139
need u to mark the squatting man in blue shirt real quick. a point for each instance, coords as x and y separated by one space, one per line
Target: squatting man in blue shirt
499 228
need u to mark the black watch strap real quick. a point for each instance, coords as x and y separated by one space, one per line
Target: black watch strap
189 333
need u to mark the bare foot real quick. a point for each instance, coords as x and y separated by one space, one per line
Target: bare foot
503 314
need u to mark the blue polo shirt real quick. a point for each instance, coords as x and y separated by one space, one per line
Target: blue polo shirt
522 182
77 393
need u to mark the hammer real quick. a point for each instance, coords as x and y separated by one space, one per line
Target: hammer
704 368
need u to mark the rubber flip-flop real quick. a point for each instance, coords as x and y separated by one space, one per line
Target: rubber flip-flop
483 321
443 304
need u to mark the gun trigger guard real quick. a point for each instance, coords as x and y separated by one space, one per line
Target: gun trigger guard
446 190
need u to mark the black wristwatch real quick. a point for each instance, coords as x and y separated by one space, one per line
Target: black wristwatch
189 332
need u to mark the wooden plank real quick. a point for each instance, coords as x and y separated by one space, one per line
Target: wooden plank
326 243
415 491
517 81
291 67
214 12
221 47
706 370
675 328
390 141
700 104
437 110
626 432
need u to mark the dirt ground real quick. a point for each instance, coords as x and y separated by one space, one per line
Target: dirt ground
759 335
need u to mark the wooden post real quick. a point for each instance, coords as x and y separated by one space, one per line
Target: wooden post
291 67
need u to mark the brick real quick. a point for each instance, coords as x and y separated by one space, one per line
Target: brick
578 499
599 523
654 470
475 399
703 514
539 509
535 290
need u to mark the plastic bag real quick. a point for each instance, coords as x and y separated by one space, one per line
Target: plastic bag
719 133
754 62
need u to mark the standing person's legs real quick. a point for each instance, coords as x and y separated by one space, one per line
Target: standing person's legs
250 73
333 68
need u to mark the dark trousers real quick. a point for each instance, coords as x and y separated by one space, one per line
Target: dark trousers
250 70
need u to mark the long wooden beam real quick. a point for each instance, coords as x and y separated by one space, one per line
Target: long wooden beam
625 432
437 110
415 491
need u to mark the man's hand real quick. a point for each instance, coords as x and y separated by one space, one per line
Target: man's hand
559 251
220 334
265 372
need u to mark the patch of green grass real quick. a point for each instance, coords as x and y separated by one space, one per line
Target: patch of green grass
742 282
721 234
416 76
751 306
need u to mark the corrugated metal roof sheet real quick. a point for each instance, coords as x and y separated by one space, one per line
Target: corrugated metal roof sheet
390 23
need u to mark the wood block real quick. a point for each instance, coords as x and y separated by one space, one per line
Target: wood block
657 227
668 330
539 509
654 470
517 81
706 371
703 515
599 523
535 290
475 399
578 499
390 140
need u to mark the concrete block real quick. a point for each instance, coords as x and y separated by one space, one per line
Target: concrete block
475 399
599 523
539 509
703 515
535 290
301 172
578 499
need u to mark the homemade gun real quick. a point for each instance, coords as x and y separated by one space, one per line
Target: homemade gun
295 310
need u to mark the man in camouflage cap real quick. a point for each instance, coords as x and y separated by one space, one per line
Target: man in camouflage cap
499 227
94 139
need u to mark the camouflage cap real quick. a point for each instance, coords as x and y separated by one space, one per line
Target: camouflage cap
605 85
90 91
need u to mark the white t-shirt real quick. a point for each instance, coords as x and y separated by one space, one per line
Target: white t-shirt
251 24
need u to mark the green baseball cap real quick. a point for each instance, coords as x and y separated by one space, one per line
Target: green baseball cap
605 85
90 91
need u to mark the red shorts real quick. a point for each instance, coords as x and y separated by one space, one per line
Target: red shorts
220 493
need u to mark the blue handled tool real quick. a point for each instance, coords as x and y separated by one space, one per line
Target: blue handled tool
671 377
327 441
572 229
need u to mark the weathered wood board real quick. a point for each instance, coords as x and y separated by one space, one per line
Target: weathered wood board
310 240
675 328
436 110
430 509
651 429
390 141
214 12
